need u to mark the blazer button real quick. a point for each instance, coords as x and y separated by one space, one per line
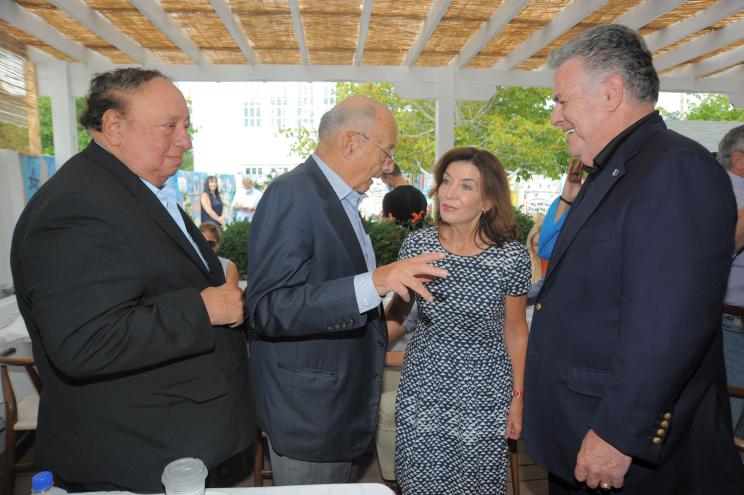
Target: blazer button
656 440
664 424
668 416
538 306
660 432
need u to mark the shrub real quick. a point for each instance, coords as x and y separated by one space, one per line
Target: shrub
235 245
524 224
386 239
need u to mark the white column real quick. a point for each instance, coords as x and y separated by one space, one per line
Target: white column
737 99
446 104
63 111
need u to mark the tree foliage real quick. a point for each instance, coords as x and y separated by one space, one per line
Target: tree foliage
514 125
714 106
45 122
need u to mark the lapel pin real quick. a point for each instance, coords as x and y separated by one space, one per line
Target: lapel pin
615 172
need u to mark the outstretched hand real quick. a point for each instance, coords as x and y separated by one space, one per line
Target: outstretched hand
408 274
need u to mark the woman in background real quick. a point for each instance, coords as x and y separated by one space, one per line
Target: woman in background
460 395
212 235
211 203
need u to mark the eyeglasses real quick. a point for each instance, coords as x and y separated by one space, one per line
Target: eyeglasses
389 157
211 242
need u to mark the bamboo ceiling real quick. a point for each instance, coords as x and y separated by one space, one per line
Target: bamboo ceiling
329 32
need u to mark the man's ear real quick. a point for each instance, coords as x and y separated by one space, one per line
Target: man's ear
348 143
113 125
613 92
737 162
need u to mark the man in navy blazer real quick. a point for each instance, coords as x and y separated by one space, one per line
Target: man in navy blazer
625 387
314 297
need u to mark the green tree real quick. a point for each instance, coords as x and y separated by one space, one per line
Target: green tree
45 122
513 124
714 106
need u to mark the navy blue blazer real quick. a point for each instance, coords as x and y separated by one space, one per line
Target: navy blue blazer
318 361
626 335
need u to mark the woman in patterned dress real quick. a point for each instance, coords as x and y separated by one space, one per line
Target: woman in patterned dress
460 395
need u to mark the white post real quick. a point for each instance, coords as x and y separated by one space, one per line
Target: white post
63 114
446 104
737 99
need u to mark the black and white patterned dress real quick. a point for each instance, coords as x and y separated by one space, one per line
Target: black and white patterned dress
455 388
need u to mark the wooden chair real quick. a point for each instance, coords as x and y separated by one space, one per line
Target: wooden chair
735 391
514 466
260 471
20 420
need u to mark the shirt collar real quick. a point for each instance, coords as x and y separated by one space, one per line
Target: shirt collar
605 155
341 188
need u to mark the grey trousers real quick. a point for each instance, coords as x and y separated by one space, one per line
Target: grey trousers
385 437
288 471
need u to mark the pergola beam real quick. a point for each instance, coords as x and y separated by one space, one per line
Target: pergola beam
433 18
496 23
299 31
700 46
646 12
227 16
363 28
24 20
96 22
163 21
675 32
568 18
713 64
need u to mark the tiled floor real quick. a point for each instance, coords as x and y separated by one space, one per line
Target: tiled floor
532 478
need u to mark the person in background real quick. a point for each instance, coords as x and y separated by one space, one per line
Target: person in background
213 237
460 394
625 382
137 338
314 295
404 203
245 201
398 338
211 203
538 265
731 156
556 214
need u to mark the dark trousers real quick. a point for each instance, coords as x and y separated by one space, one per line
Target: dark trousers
557 486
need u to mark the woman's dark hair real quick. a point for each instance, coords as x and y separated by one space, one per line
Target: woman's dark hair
206 185
497 224
106 91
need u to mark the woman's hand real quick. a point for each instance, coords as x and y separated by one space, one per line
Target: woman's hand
514 420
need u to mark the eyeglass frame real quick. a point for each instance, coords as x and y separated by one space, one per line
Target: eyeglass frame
390 156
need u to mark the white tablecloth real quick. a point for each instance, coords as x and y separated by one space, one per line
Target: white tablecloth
350 489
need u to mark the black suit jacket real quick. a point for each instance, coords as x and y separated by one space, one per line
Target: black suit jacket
317 362
626 335
134 374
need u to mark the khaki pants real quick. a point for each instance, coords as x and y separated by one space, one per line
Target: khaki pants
385 438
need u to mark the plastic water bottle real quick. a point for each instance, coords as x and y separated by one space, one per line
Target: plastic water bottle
43 484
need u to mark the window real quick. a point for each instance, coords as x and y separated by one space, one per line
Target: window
329 99
305 105
252 113
279 108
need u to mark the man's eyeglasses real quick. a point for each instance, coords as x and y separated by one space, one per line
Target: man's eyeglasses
389 157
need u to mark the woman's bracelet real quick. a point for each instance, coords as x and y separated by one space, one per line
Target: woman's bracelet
569 203
517 393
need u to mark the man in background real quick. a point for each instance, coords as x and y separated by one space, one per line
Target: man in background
135 334
731 156
245 201
625 385
404 203
314 295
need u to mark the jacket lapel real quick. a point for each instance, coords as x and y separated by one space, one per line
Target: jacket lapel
337 217
215 267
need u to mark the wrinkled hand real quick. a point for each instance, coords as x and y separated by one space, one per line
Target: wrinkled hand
514 420
410 273
599 462
572 185
224 304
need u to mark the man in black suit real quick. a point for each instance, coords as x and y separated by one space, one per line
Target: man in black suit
314 296
135 334
625 387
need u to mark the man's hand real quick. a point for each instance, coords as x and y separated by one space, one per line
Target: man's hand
598 462
410 273
573 180
224 304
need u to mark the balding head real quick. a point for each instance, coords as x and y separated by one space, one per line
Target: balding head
356 138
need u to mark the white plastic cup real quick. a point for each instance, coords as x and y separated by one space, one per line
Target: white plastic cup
184 477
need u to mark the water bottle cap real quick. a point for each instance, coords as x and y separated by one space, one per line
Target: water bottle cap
42 481
184 475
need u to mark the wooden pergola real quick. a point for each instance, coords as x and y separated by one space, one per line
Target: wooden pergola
441 49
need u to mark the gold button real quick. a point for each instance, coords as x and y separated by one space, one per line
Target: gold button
668 416
660 432
656 440
664 424
538 307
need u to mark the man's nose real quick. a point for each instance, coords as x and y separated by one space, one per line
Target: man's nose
184 139
556 117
